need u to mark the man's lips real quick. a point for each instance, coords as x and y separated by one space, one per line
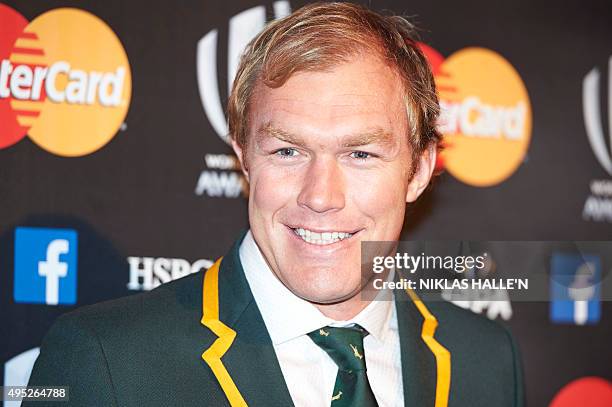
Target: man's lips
319 229
322 236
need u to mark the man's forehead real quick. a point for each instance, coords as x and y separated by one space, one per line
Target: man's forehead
362 123
321 105
337 105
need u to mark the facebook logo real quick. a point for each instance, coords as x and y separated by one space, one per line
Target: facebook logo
45 266
575 286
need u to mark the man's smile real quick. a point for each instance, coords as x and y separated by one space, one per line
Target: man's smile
322 236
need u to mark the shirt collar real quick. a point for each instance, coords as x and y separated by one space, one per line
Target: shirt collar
288 316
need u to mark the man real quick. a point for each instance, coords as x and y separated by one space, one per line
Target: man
332 115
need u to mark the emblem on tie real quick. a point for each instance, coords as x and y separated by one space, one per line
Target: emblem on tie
337 396
322 332
356 352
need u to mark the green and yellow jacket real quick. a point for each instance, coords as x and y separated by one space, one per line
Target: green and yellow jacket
201 341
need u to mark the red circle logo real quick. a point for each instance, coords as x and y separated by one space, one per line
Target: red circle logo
585 392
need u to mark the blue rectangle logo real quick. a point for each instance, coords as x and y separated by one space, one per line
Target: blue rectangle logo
45 266
575 289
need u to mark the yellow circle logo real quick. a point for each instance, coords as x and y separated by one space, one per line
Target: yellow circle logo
69 82
485 118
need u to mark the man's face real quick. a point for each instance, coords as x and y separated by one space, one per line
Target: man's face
328 162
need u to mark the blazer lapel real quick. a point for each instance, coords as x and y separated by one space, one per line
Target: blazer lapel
243 357
425 362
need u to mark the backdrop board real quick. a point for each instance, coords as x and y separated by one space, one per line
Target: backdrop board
123 176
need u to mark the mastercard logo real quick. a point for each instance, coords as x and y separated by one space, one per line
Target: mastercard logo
65 81
485 115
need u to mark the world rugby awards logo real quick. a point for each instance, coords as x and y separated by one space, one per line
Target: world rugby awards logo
222 177
243 27
592 115
598 206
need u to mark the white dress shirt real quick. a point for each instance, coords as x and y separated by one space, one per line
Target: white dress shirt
309 372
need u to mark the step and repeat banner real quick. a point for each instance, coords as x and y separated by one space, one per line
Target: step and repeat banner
116 175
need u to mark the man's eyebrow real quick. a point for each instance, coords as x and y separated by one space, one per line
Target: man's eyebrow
268 130
375 136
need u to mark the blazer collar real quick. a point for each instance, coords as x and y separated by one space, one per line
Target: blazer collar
243 345
426 363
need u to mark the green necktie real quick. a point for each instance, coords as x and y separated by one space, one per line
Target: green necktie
345 347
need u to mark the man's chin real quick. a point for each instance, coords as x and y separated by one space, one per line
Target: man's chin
327 295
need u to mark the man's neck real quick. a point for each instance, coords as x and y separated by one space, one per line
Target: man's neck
348 309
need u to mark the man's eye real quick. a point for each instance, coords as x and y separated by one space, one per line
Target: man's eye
361 155
286 152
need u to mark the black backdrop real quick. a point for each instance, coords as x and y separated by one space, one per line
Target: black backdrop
153 191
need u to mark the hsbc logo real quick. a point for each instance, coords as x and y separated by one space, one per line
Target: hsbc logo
598 205
243 27
592 116
146 273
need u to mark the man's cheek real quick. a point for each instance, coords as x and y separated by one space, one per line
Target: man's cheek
270 191
376 192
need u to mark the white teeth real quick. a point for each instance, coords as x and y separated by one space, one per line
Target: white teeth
321 238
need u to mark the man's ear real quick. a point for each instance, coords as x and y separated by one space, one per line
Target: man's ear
239 153
422 176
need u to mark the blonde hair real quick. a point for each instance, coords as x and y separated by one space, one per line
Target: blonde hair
318 37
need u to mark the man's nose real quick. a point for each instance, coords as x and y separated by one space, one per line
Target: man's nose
323 187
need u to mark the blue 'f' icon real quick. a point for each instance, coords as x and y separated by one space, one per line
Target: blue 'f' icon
575 287
45 266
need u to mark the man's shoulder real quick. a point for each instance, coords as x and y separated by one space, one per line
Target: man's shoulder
485 358
144 349
452 315
179 300
468 328
473 339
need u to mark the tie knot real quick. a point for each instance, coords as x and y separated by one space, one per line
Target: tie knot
343 345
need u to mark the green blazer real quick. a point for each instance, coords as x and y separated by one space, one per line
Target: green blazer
201 341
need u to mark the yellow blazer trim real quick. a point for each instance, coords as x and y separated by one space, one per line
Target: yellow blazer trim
442 355
226 335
